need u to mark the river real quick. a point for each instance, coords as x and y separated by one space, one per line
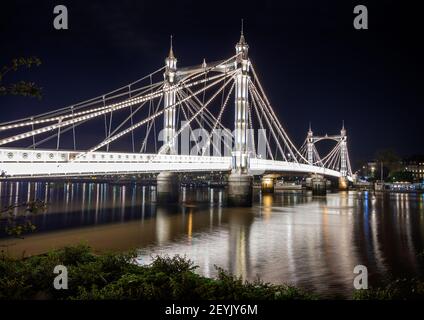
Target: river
285 237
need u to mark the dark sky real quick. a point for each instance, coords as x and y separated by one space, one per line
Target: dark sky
314 65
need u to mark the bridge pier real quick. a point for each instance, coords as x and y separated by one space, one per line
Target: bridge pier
240 190
343 183
167 187
267 185
319 185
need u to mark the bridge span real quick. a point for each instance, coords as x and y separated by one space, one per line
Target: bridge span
187 105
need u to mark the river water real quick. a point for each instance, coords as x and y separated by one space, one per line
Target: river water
286 237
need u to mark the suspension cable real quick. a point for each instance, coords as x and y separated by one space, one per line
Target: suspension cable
110 108
149 127
131 121
200 110
290 143
113 138
80 104
73 131
218 119
270 127
187 119
210 118
262 127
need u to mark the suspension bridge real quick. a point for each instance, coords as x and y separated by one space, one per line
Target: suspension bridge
178 102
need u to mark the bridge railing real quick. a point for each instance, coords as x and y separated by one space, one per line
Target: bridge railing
264 165
24 163
24 155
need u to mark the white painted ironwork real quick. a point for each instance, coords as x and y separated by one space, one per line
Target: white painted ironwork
178 91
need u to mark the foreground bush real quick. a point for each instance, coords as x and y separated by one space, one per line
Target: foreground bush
400 289
116 276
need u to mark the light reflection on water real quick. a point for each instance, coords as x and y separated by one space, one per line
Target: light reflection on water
292 237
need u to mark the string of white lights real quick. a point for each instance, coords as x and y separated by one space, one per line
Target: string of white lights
218 119
252 134
328 158
198 104
266 114
334 159
192 108
317 157
259 116
290 144
274 120
118 135
102 110
209 118
198 112
82 104
179 97
150 126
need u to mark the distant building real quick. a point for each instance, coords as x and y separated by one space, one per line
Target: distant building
415 165
369 170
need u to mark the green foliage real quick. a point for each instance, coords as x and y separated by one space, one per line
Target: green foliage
401 176
400 289
21 88
116 276
390 159
19 222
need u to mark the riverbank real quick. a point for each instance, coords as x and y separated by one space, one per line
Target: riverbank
117 276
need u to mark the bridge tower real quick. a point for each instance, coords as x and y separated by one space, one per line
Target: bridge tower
240 181
240 160
310 145
167 184
343 184
169 124
343 152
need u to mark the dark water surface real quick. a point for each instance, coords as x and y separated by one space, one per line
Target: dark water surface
291 237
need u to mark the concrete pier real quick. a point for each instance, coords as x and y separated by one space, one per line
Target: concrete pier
319 185
167 187
240 189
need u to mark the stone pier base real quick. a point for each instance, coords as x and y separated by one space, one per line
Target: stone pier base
319 186
167 187
240 189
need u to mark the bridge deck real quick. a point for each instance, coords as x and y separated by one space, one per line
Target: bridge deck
21 163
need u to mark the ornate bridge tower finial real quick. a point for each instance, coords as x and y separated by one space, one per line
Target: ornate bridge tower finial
241 46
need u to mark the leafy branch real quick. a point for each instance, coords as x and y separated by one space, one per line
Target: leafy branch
21 88
18 224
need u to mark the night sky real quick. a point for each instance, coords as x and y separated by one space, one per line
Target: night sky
314 65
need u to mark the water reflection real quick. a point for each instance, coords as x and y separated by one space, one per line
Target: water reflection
313 242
